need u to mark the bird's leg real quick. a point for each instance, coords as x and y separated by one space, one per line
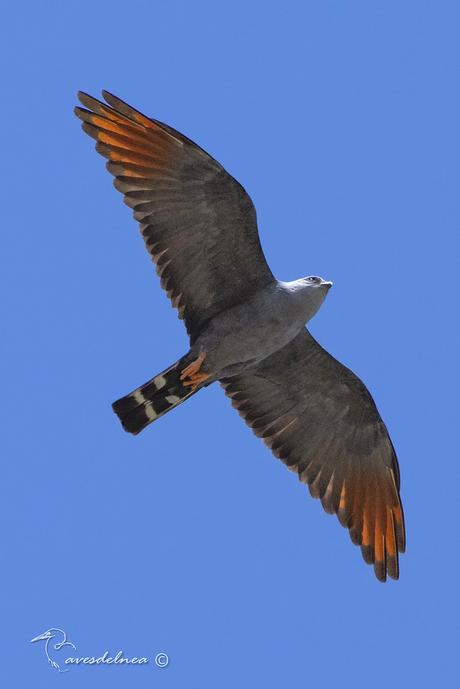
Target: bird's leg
195 379
191 374
194 367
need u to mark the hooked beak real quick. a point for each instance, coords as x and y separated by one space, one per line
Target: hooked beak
41 637
327 283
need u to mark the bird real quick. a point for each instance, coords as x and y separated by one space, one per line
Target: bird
247 329
53 633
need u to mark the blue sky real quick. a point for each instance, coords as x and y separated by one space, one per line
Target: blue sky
341 120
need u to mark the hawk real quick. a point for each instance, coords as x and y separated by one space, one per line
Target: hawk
247 329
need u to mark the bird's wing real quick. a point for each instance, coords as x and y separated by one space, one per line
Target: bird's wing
198 223
319 418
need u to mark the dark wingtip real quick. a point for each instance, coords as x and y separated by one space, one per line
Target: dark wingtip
107 96
393 567
89 101
368 554
380 570
82 97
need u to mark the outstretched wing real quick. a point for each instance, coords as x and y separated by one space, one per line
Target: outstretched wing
320 419
198 223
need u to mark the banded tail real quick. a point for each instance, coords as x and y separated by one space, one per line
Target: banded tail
153 399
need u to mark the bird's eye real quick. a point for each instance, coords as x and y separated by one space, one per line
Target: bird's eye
314 278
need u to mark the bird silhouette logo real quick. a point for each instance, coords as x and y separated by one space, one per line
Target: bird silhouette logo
54 639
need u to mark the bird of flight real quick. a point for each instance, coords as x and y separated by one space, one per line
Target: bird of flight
247 329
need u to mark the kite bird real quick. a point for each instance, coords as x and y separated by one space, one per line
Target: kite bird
247 329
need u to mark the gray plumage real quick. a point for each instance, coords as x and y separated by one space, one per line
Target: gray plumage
247 329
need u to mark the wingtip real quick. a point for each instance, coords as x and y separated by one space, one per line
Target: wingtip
367 552
89 101
380 570
118 104
107 95
393 569
82 96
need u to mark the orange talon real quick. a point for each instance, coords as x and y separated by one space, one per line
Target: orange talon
191 375
194 367
195 379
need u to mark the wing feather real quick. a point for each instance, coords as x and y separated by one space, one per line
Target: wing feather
319 418
198 223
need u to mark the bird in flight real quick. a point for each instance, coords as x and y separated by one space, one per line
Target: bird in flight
247 329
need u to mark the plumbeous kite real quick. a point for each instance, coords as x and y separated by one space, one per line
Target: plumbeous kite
247 329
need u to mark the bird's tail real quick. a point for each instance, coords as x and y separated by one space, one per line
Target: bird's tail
153 399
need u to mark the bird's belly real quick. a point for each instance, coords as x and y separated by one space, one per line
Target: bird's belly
241 337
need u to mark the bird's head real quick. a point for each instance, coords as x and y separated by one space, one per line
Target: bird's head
49 634
317 288
316 283
312 291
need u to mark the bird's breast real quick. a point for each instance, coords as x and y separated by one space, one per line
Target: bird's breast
245 334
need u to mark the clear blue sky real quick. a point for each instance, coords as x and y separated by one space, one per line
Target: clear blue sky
342 122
